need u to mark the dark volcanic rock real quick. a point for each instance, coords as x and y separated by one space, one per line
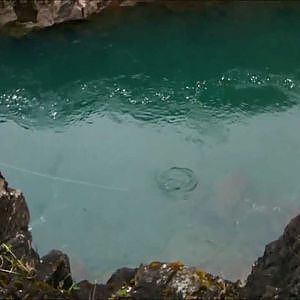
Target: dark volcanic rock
14 219
277 273
54 269
14 212
22 275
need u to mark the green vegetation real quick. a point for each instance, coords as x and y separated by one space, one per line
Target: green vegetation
18 279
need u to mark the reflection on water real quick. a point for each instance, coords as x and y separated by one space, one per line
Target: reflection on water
230 95
183 145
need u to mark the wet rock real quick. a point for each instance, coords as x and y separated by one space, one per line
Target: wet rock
277 273
14 223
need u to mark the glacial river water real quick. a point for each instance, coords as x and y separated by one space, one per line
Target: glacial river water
156 134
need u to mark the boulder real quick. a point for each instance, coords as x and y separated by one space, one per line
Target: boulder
276 275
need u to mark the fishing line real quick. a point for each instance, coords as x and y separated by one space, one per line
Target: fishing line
62 179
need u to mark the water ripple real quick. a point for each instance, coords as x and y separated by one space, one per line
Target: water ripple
233 94
177 179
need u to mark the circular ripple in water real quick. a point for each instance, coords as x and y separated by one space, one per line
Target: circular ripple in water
177 179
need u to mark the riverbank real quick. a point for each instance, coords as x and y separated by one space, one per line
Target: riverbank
40 14
26 275
17 18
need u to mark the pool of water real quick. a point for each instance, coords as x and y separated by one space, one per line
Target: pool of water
156 134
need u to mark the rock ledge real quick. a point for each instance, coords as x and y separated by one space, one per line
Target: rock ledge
24 275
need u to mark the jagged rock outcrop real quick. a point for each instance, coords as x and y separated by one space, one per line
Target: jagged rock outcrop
45 13
276 275
24 275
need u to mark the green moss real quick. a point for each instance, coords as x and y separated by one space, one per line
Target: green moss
18 279
122 293
155 265
10 264
207 281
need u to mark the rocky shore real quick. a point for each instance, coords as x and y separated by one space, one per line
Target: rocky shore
35 14
26 275
45 13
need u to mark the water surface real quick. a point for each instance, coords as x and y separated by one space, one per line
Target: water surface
92 116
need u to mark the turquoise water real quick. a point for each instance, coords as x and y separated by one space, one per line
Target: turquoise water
155 134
